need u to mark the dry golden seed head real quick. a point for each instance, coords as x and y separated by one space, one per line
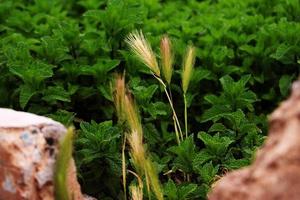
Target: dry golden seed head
142 49
132 115
188 65
136 193
119 96
137 149
153 179
166 58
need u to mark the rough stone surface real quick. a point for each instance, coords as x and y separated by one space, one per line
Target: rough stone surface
275 173
28 147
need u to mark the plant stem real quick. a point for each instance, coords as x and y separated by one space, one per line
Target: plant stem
185 115
170 92
140 182
172 107
174 113
124 167
176 131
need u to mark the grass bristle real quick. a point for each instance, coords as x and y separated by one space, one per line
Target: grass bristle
166 58
188 66
142 49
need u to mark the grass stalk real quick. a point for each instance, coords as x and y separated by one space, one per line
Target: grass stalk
140 182
174 113
185 115
124 167
187 72
177 124
176 131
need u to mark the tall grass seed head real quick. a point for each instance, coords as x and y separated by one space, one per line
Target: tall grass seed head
137 150
136 192
132 115
153 179
119 96
166 58
142 49
188 66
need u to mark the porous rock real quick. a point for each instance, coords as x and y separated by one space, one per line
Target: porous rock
28 148
275 173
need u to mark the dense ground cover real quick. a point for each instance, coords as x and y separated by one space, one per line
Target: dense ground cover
58 58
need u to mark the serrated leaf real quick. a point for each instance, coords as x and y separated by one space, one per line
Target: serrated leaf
207 172
54 49
105 65
200 74
179 192
144 94
170 190
216 145
236 118
215 113
217 127
56 93
284 53
236 163
284 84
26 92
185 154
100 133
63 116
105 90
233 88
212 99
189 98
100 69
33 73
94 14
201 158
157 108
186 190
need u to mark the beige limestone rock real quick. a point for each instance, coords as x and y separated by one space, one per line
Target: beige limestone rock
28 147
275 173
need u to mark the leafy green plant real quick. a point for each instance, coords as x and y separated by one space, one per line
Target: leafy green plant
99 142
58 58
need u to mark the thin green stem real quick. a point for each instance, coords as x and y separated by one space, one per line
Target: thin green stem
172 107
170 92
176 131
174 113
174 121
124 167
185 115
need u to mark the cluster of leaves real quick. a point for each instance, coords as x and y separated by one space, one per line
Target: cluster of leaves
57 58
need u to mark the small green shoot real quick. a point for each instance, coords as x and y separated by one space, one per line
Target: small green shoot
62 166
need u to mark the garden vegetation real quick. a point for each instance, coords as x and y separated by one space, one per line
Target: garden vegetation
166 96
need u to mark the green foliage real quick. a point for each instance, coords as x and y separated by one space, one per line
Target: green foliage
99 157
185 153
174 192
57 58
62 165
